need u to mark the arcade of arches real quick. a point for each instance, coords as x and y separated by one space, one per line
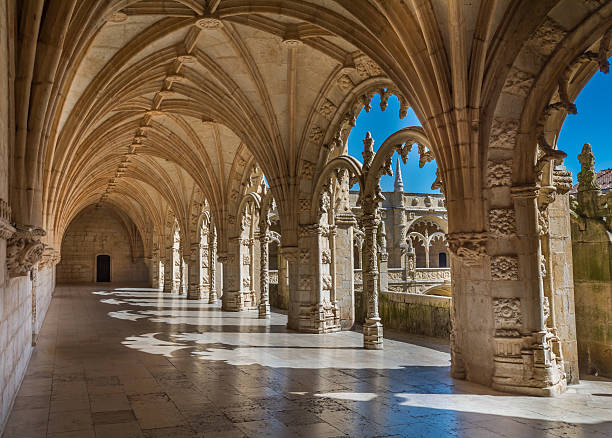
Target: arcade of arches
202 146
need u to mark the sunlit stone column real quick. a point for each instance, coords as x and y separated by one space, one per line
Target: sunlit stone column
525 360
264 300
372 328
212 266
232 299
343 259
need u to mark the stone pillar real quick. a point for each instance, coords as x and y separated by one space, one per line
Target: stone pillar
372 328
194 270
526 354
232 299
283 280
343 259
181 270
169 270
264 300
383 258
212 266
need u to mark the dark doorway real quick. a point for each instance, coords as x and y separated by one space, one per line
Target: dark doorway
442 260
103 268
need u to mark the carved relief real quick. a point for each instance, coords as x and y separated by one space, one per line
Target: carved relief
562 180
508 317
500 173
502 221
315 135
469 247
503 133
328 109
366 67
304 255
305 282
345 83
304 204
546 309
246 259
504 268
326 257
24 250
246 282
307 169
6 229
326 282
547 36
518 82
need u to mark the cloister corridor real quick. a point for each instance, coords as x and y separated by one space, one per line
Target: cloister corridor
133 362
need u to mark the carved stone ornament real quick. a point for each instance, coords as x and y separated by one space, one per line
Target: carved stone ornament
246 282
304 204
208 23
366 67
326 282
6 229
24 250
304 255
468 247
307 169
503 133
500 173
504 268
305 282
546 309
328 109
508 317
562 180
345 83
502 221
326 256
246 259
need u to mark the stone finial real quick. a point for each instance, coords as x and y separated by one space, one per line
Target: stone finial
586 177
398 186
368 150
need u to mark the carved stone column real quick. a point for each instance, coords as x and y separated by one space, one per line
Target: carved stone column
169 271
343 259
383 258
181 270
24 249
212 266
233 280
194 271
526 359
264 300
372 328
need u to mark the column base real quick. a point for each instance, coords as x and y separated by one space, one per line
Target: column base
194 292
373 334
212 297
264 311
317 319
528 365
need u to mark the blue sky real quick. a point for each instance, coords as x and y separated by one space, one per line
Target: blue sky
592 124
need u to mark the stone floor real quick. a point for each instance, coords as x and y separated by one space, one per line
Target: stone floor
132 362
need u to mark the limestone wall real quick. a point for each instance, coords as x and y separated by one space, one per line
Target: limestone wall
16 324
592 254
414 313
100 231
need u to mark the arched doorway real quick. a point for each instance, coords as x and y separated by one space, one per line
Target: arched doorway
103 268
